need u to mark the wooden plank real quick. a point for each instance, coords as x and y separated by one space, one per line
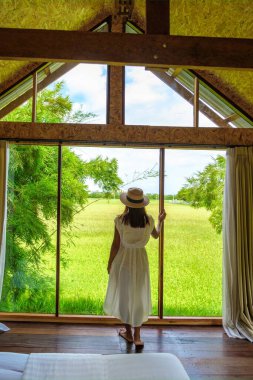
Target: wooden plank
126 49
127 135
176 72
158 16
101 319
205 352
233 117
187 95
240 105
116 84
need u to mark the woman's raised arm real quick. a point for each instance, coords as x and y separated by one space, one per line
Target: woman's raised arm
157 230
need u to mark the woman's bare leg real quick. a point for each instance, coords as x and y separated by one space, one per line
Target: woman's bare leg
126 333
137 337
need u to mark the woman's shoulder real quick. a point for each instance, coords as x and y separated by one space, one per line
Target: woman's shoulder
150 217
118 220
151 221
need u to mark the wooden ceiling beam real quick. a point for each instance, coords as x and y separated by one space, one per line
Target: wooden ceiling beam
127 135
126 49
158 17
116 83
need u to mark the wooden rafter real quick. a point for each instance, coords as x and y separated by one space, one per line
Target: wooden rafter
176 72
157 17
139 135
116 83
126 49
232 117
225 91
187 95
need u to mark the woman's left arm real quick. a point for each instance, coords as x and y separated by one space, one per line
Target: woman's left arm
157 230
114 248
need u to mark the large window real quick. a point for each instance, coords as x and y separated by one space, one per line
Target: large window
29 279
86 241
92 179
193 241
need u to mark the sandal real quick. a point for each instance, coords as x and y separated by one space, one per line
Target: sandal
123 333
138 343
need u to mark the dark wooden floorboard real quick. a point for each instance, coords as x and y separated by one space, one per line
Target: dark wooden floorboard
206 352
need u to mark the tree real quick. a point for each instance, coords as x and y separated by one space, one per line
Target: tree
205 189
32 196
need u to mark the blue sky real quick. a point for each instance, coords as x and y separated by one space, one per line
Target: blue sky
148 102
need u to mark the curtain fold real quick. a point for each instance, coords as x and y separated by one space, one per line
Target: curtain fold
238 244
4 158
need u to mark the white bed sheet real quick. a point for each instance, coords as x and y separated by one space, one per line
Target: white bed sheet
12 365
143 366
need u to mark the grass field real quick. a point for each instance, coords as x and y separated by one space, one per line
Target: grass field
192 272
192 264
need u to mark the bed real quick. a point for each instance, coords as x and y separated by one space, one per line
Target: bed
60 366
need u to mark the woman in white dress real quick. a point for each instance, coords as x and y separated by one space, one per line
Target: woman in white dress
128 294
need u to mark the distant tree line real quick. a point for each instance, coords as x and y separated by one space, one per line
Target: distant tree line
115 195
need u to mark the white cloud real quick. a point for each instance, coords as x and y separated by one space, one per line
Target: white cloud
131 162
179 164
87 82
151 102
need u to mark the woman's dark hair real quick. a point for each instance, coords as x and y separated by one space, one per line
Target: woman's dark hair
135 217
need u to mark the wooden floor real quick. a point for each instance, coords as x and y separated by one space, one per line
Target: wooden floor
206 352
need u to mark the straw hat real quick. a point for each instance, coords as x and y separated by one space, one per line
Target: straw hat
134 198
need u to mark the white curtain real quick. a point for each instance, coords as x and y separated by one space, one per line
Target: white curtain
4 158
238 244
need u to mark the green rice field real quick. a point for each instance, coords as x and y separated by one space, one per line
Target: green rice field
192 264
192 261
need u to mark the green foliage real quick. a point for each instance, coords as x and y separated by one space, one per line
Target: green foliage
205 189
104 174
52 107
32 198
192 263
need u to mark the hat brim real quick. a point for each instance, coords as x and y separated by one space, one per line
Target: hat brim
126 202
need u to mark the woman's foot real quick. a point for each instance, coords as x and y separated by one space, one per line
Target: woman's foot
126 334
138 343
137 338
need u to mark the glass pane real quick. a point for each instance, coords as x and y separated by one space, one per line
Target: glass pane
206 122
193 241
78 95
149 101
29 279
221 108
90 204
22 113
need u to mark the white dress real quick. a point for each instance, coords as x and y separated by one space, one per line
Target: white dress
128 294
